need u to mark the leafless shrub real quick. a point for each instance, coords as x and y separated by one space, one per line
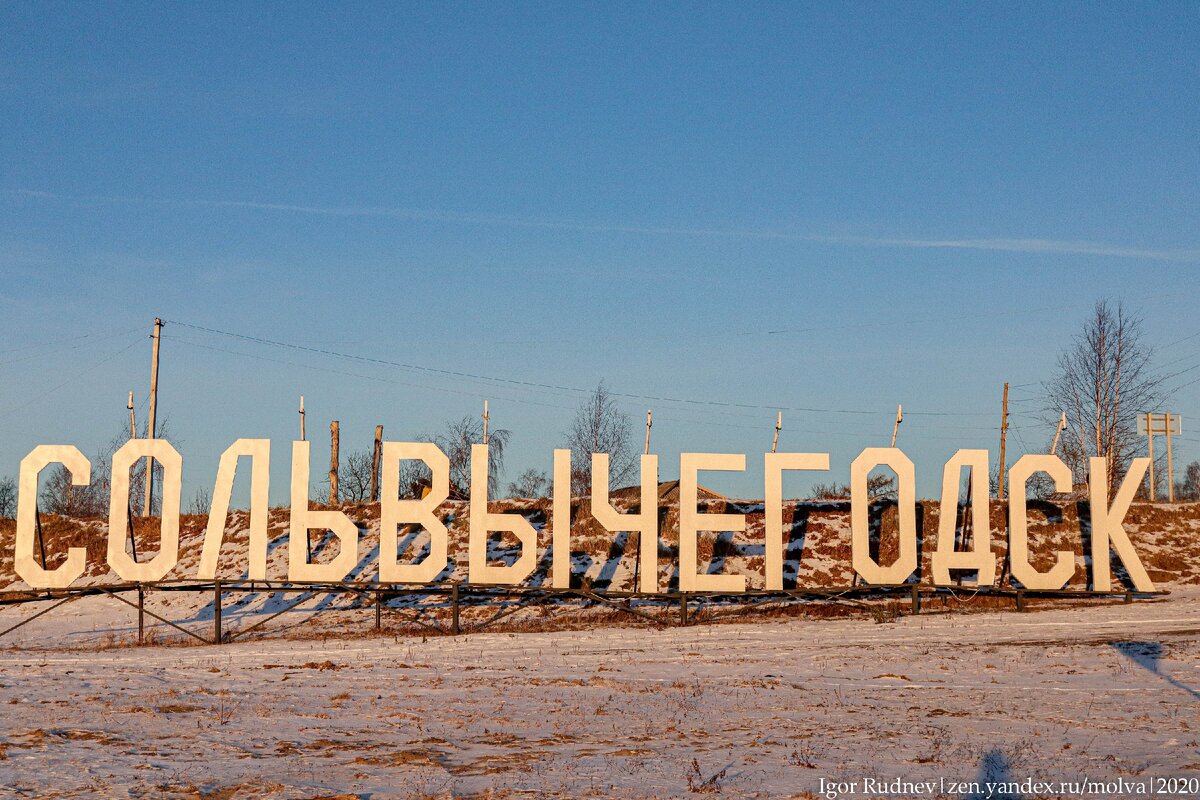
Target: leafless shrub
804 755
201 502
879 487
354 477
698 784
532 484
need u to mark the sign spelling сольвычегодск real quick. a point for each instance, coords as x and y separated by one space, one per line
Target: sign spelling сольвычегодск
1106 519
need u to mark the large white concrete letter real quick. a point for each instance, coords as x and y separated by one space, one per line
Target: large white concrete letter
690 522
560 523
906 561
979 557
483 522
1107 527
304 519
259 453
395 512
1018 523
775 464
118 510
645 521
28 569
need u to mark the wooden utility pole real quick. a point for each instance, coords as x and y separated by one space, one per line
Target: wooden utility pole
896 426
1003 442
485 422
302 418
1150 433
157 336
376 457
649 424
778 426
1062 426
1172 425
1170 466
333 462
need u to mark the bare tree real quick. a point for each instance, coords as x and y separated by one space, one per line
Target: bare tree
601 427
532 483
455 441
8 498
60 496
1104 380
1189 487
354 477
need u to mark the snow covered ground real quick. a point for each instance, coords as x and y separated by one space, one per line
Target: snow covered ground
770 709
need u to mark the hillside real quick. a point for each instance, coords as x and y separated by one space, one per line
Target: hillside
817 556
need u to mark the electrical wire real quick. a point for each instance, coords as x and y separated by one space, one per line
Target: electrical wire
74 377
460 374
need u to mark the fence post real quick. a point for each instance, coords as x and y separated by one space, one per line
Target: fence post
333 462
683 613
376 459
1020 600
916 599
141 614
216 612
378 611
455 630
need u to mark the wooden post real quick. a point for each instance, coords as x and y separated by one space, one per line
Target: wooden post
376 457
141 614
896 426
683 614
1062 425
1170 465
132 538
1150 433
778 426
333 462
216 612
649 423
150 422
302 418
485 422
455 629
916 599
1003 442
378 611
37 516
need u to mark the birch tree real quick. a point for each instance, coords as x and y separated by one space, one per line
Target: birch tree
1105 380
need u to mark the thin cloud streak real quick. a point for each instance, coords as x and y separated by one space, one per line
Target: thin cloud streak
1033 246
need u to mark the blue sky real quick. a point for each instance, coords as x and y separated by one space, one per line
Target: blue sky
832 207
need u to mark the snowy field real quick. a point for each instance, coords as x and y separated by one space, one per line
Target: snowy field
1106 692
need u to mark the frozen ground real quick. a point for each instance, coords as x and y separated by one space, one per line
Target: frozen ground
765 709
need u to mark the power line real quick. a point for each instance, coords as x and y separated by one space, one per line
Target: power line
74 377
94 338
864 434
460 374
